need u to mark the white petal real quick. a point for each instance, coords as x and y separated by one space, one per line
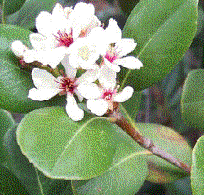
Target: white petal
89 90
30 56
124 95
59 19
42 94
113 32
44 23
129 62
89 76
107 77
44 80
67 11
70 71
125 46
74 112
98 107
52 57
18 48
37 41
114 67
57 11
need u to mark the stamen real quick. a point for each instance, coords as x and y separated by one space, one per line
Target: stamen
64 39
107 95
67 85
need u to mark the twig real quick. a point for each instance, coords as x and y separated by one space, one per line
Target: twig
146 143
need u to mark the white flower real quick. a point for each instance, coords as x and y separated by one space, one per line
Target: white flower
47 86
58 31
118 48
83 19
86 51
100 99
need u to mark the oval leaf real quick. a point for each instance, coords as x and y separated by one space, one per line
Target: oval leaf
197 169
192 101
9 184
62 148
6 121
26 16
163 31
12 6
14 81
170 141
128 170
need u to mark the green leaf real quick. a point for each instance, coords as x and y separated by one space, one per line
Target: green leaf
62 148
9 184
179 187
133 104
197 169
15 82
12 6
170 141
6 121
26 16
192 101
163 31
126 174
19 165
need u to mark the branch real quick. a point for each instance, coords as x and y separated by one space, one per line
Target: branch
146 143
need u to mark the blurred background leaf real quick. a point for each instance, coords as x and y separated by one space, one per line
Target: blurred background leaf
20 166
6 122
26 16
11 6
197 171
158 28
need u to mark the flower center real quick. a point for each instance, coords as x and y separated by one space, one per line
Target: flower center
64 39
84 53
107 95
67 85
111 54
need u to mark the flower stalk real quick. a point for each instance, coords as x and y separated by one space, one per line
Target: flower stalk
146 143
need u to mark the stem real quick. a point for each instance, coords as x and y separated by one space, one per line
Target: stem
146 143
40 185
3 15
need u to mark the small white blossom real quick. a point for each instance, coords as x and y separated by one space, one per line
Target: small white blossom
118 48
47 86
100 99
57 32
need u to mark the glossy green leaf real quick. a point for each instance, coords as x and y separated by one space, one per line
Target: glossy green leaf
6 121
14 81
197 169
179 187
170 141
133 104
20 166
126 174
26 16
11 6
192 101
163 31
9 184
62 148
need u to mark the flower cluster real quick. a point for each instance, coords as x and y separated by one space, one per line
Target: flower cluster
76 39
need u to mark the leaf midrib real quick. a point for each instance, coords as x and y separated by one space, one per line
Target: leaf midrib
73 137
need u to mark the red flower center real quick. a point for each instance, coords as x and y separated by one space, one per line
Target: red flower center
64 39
108 94
111 57
67 85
